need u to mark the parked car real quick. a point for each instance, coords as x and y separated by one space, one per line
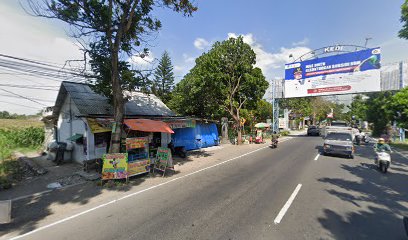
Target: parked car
340 143
313 130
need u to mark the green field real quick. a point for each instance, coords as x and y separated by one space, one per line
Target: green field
19 123
20 134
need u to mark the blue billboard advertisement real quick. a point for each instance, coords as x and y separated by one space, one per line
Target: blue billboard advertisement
353 72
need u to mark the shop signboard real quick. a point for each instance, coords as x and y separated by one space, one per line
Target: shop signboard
138 167
354 72
138 142
96 126
114 166
189 123
164 158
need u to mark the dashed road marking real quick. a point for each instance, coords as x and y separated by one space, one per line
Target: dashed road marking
285 208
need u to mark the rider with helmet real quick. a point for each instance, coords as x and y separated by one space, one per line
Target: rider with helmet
381 145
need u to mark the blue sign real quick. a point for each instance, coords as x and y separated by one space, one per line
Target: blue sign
342 63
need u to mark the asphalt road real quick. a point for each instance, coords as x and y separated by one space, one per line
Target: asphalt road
335 198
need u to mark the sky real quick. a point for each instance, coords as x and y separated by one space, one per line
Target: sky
274 29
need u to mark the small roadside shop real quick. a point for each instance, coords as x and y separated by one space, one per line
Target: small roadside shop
142 140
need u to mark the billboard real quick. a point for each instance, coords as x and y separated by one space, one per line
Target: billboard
353 72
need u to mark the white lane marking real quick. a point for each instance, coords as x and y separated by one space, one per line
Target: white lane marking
317 157
135 193
287 205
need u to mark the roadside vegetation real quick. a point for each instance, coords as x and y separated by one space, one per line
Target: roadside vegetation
23 135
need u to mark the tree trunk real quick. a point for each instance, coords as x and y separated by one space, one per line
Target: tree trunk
118 105
239 141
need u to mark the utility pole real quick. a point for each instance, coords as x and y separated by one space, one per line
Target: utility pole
275 107
366 41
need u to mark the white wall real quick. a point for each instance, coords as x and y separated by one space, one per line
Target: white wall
68 125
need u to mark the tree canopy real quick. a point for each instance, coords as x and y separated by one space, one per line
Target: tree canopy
163 82
111 31
223 81
403 33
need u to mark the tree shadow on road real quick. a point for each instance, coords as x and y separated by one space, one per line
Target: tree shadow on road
382 198
28 212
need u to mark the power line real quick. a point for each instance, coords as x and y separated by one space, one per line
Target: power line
19 104
38 99
25 87
23 97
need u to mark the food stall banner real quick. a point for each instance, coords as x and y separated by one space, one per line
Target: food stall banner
164 158
138 142
114 166
138 167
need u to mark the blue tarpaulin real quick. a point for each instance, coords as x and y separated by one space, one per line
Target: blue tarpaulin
202 136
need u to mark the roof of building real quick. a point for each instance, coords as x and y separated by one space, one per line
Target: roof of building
90 103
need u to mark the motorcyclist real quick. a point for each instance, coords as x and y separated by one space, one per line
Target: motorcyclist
275 137
381 145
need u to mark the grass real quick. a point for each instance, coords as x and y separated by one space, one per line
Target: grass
400 145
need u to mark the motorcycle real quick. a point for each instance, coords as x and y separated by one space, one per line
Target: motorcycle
358 139
180 151
274 143
383 160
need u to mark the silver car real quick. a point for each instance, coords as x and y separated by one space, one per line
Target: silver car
340 143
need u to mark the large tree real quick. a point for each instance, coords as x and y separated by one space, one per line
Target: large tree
163 82
116 28
224 80
399 108
403 33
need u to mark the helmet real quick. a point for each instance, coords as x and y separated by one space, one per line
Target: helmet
381 140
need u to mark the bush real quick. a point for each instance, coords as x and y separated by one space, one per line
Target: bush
10 139
284 133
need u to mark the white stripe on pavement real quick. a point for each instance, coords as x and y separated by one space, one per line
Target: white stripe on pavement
287 205
136 193
317 157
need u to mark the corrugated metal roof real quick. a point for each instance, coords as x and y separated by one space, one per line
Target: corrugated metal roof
89 102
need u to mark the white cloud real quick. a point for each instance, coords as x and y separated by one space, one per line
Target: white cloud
271 62
178 68
201 43
188 59
146 60
303 42
32 38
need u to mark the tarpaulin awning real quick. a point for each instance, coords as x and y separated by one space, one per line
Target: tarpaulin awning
75 137
147 125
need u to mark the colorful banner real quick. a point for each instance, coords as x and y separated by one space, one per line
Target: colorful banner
114 166
353 72
138 167
138 142
164 158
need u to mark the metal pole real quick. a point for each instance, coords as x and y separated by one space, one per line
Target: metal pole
275 108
